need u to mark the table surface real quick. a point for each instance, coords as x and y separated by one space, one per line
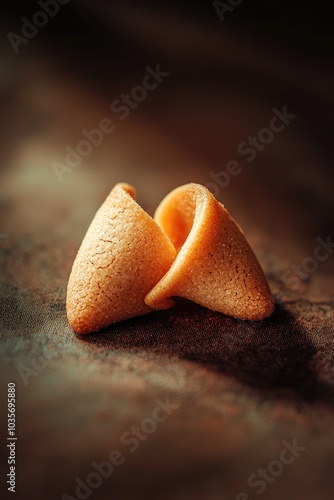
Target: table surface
239 391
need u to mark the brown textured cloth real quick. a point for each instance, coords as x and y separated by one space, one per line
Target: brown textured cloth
242 388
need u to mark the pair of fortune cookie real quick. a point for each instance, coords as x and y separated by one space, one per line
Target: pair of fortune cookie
130 264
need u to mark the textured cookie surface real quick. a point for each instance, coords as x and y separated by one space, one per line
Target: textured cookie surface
123 255
215 266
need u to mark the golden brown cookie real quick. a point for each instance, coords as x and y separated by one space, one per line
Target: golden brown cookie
215 266
123 255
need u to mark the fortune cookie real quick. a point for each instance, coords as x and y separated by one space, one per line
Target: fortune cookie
122 257
215 266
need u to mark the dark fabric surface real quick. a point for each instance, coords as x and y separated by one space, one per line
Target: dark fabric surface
240 390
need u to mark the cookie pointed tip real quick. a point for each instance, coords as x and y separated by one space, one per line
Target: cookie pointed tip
79 323
270 308
127 188
264 310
